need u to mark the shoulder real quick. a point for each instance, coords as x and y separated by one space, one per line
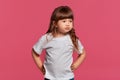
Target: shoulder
69 39
46 36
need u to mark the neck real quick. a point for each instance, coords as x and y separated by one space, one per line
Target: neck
59 34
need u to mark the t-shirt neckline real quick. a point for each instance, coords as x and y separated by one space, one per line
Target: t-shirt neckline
60 37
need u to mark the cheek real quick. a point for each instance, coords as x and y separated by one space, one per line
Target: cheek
71 26
61 26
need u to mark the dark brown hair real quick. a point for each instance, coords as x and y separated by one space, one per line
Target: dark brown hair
63 12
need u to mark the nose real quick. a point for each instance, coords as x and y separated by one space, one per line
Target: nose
68 23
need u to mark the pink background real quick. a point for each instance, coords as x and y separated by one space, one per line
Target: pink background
97 23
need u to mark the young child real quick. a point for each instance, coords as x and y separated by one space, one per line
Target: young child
59 42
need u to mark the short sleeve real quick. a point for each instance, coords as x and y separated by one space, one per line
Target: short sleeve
80 47
38 46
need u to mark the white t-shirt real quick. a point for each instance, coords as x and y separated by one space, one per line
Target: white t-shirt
59 58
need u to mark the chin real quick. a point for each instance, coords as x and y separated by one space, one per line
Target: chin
66 32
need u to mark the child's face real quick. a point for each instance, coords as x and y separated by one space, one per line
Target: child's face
64 25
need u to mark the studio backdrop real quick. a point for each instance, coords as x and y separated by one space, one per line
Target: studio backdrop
97 24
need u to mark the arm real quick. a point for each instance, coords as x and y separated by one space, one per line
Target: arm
79 60
38 61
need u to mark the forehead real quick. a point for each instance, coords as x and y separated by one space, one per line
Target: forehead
66 19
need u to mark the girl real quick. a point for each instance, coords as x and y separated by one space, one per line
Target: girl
59 42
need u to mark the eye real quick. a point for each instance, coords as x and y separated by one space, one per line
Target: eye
64 21
70 21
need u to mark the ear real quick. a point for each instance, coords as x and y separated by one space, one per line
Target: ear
54 23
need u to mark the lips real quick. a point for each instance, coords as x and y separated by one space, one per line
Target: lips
67 28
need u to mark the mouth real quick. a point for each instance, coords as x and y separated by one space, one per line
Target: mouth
67 28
